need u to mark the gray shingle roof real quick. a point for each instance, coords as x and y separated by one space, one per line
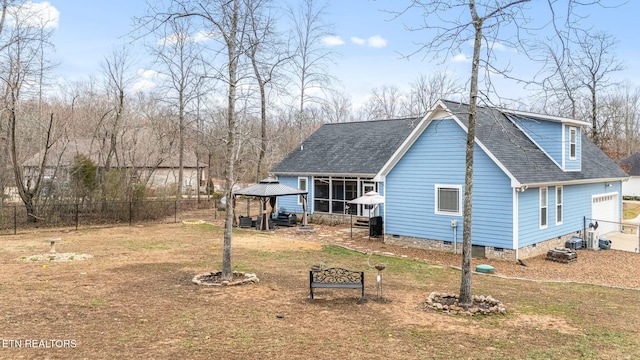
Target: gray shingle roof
632 163
269 188
348 148
364 148
526 162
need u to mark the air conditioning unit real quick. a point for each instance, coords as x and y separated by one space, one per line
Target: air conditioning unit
593 241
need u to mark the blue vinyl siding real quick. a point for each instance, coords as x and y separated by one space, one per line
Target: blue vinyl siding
438 157
572 164
290 203
576 204
548 135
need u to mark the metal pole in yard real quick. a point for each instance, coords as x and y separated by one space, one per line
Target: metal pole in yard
130 212
175 211
15 219
77 216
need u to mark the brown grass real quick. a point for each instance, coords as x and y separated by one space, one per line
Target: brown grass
631 210
135 299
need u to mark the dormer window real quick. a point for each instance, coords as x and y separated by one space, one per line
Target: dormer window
573 136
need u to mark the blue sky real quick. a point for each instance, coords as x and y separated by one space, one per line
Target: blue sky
368 44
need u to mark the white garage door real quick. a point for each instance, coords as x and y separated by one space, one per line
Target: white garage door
604 209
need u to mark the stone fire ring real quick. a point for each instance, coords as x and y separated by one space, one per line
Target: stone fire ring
215 279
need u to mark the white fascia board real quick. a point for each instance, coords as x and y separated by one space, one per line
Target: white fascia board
552 118
574 182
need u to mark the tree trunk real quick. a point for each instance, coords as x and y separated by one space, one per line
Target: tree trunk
231 43
465 298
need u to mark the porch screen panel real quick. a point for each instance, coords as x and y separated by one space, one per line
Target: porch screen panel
321 195
337 203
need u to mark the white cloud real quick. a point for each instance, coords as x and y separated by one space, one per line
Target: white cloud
377 41
202 36
461 58
148 80
332 41
34 15
147 73
357 40
143 85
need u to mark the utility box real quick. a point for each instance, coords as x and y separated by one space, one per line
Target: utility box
574 243
604 244
592 240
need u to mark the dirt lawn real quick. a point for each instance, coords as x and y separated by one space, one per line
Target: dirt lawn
134 298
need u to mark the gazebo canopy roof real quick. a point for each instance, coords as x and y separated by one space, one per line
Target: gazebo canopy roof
269 187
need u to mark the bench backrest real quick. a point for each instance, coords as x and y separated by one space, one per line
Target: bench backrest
337 276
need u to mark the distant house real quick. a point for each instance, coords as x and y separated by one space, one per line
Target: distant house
154 168
632 167
537 178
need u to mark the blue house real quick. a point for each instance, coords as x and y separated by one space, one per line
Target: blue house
537 178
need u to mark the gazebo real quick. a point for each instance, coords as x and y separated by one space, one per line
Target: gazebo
268 190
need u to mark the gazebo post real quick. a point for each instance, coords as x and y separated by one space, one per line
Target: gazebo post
264 214
304 209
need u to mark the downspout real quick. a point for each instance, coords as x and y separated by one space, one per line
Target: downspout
516 246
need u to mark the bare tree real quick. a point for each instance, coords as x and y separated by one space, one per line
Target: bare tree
619 125
21 61
426 90
594 64
310 59
267 55
179 58
337 108
225 18
116 68
385 103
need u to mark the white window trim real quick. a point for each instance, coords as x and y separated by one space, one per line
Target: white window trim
306 181
559 203
435 198
543 206
573 130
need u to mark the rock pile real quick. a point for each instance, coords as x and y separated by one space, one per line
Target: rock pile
448 303
215 279
562 255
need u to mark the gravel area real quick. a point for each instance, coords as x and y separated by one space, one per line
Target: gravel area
604 267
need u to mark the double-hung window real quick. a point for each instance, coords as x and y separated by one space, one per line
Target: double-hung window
448 199
544 204
559 203
573 140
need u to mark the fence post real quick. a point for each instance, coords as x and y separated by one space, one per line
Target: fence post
15 219
130 212
175 211
77 210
